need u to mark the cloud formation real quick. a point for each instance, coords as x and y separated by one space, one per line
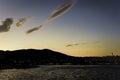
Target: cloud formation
61 10
70 45
83 44
22 21
33 29
5 27
56 13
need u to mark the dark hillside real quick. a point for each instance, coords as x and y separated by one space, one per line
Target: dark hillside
27 58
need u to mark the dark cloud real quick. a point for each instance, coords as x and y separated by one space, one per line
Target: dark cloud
84 43
70 45
5 27
61 9
22 21
56 13
33 29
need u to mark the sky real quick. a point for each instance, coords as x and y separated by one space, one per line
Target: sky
88 28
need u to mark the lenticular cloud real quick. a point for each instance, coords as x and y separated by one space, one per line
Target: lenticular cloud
56 13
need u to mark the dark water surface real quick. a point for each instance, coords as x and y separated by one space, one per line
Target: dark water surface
63 72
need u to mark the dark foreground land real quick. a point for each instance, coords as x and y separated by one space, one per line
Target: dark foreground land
22 59
63 72
50 65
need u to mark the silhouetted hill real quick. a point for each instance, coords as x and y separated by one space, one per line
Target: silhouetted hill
31 58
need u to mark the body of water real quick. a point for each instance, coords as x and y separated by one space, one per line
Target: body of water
63 72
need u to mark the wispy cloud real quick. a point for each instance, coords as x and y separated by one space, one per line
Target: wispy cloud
83 44
70 45
61 10
33 29
56 13
21 21
6 25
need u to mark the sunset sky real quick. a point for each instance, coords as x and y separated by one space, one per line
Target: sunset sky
89 28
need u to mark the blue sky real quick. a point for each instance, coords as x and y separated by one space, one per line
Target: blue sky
93 24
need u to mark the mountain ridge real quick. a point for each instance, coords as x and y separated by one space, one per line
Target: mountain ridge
26 58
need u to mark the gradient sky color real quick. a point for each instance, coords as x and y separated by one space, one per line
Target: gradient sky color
94 25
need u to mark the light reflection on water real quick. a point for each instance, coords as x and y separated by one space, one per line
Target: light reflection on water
64 72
